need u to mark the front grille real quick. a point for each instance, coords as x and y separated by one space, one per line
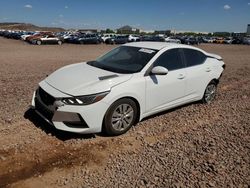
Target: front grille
43 110
45 97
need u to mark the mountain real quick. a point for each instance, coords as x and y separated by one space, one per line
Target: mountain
27 27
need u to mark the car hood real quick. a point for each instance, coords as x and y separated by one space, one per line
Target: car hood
83 79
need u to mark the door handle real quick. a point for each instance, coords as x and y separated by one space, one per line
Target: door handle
181 76
208 69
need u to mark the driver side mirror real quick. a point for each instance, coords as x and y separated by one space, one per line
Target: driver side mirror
159 70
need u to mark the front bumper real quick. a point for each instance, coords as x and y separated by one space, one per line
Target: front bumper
72 118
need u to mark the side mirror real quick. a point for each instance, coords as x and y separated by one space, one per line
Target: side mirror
159 70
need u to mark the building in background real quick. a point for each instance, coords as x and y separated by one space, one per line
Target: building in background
248 29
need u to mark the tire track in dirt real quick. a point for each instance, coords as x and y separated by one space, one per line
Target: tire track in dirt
63 158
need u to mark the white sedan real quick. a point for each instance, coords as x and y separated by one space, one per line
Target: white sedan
127 84
173 40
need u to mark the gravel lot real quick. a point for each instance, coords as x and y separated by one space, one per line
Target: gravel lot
192 146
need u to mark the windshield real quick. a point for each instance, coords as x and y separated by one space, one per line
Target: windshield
124 59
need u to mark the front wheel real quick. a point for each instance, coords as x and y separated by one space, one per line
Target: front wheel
120 117
209 93
59 42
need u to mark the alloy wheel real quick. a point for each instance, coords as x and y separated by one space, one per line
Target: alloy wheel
210 93
122 117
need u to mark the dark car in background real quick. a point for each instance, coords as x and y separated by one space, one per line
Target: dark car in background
191 41
12 34
237 40
73 38
120 39
246 40
153 38
89 39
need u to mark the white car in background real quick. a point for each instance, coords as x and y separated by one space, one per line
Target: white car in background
173 40
104 37
129 83
133 38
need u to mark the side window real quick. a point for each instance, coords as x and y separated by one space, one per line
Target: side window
170 59
193 57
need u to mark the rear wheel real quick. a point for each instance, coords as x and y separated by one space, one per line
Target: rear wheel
210 92
120 117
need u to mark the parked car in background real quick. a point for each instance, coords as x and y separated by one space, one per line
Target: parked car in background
72 38
228 40
191 41
89 39
129 83
207 40
246 40
15 35
154 38
173 40
47 39
133 38
219 40
67 36
237 40
27 34
37 35
106 36
119 39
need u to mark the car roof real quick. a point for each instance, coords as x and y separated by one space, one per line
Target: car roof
158 45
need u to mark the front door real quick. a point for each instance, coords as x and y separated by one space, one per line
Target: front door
163 91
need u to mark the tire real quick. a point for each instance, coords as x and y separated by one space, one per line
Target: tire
59 42
81 42
209 93
38 42
120 117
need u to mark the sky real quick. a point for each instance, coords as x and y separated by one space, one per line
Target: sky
181 15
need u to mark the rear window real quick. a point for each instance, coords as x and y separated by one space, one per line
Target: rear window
193 57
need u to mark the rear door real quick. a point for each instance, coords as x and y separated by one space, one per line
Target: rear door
163 91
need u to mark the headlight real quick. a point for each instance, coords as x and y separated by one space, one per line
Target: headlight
85 100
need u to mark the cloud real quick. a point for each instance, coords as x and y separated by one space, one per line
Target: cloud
28 6
248 3
226 7
61 16
66 7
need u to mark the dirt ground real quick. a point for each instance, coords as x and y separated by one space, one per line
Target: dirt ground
192 146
